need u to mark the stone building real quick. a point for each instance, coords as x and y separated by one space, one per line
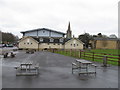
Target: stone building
105 43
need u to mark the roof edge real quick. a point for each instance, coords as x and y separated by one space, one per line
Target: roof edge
42 29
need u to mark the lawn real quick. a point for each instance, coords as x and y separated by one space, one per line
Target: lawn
94 55
107 51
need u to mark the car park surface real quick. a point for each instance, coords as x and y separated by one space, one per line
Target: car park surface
55 72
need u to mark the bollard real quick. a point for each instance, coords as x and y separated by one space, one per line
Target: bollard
105 61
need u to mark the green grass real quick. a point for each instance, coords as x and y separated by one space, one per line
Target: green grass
98 55
107 51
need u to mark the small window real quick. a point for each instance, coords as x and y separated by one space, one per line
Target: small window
74 45
51 39
77 44
54 43
61 40
71 44
31 43
43 31
27 43
24 43
41 39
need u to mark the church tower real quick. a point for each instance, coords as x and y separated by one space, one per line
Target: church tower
69 32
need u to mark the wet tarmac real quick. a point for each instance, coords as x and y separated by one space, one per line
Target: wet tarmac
55 72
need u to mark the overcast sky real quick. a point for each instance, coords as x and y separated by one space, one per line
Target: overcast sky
90 16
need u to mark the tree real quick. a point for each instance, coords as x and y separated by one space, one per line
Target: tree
0 37
85 38
99 34
112 36
9 38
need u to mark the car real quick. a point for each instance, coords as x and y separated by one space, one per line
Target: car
10 45
4 45
1 45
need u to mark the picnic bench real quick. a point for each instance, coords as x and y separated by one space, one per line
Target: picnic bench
27 68
83 67
30 51
9 54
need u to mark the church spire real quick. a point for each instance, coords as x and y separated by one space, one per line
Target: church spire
69 28
69 32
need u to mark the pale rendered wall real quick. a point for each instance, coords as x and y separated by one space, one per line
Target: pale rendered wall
28 43
69 46
50 45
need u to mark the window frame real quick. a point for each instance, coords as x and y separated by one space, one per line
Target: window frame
41 39
74 45
61 39
51 40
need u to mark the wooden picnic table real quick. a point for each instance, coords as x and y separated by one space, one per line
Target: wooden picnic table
9 54
26 65
83 66
82 61
27 69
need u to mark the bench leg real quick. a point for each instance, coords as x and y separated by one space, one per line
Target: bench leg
72 69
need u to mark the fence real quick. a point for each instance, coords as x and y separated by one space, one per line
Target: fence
111 58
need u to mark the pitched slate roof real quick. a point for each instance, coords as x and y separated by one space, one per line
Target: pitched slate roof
29 37
43 29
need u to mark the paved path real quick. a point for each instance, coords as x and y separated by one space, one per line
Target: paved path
55 72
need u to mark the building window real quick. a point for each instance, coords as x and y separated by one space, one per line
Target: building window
61 40
41 39
28 43
31 43
54 43
24 43
71 44
51 39
48 43
77 44
43 31
74 45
